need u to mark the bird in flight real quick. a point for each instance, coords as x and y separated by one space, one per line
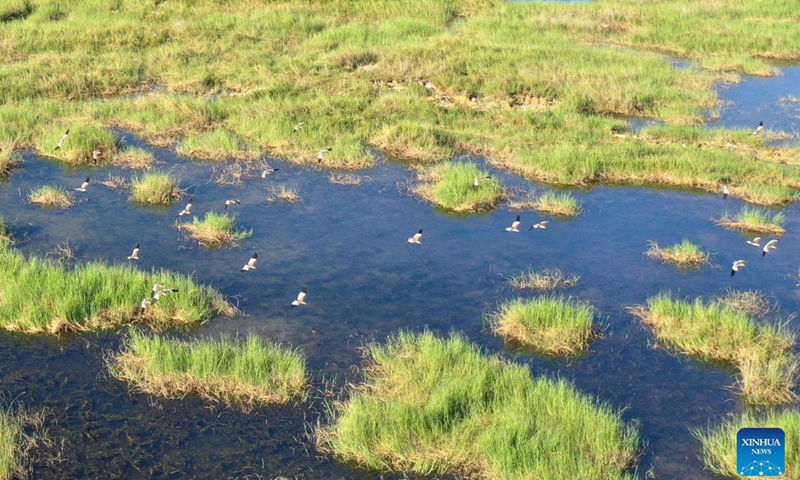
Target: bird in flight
725 192
323 152
542 224
251 264
301 297
298 127
266 173
84 185
756 242
135 254
736 266
187 210
63 138
417 238
232 202
514 226
155 296
759 128
771 245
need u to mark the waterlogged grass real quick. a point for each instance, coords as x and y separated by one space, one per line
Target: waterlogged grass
12 443
551 203
751 219
450 185
247 371
684 254
214 230
712 331
51 196
434 406
719 443
553 325
546 280
283 193
155 188
41 296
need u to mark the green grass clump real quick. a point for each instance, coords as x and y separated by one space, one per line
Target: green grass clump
684 254
40 295
450 186
552 203
84 138
214 230
546 280
751 219
215 145
134 157
51 196
12 443
553 325
155 188
713 331
246 372
719 443
8 159
433 406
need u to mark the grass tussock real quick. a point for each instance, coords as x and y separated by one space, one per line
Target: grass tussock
544 281
16 440
748 302
114 182
244 372
283 193
134 157
5 235
685 254
350 179
9 159
155 188
552 325
50 196
751 219
214 230
434 406
719 443
96 296
551 203
712 331
450 185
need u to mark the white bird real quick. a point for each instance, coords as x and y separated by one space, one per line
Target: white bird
475 183
771 245
232 202
63 138
759 128
417 238
156 296
135 254
187 210
251 264
736 266
514 226
156 288
725 192
301 297
298 127
756 242
322 152
84 185
268 171
96 154
542 224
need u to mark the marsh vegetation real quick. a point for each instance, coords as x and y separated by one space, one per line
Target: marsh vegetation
155 188
685 254
51 196
214 230
751 219
283 193
550 203
545 280
451 185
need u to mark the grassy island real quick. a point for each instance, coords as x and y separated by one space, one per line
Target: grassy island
685 254
214 230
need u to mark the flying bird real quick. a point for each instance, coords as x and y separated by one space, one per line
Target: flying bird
268 171
251 264
322 152
301 297
771 245
298 127
725 192
135 254
84 185
514 226
759 128
542 224
156 296
156 288
417 238
756 242
736 266
187 210
63 138
232 202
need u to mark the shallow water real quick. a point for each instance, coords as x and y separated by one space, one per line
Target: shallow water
348 244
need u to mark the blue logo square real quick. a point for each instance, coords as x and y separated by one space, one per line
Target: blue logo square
761 452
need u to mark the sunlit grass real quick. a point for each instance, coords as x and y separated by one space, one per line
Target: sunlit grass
214 230
13 442
754 220
9 159
684 254
134 157
546 280
155 188
551 203
450 185
50 196
283 193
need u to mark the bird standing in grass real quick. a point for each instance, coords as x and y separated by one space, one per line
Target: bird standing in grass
417 238
725 192
475 183
756 242
298 127
232 202
63 138
759 128
542 224
323 152
736 266
514 226
84 185
251 264
301 297
96 154
187 210
135 254
771 245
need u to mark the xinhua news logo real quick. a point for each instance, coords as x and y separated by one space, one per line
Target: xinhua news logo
761 452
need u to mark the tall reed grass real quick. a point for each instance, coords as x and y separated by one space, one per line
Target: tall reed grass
450 185
214 230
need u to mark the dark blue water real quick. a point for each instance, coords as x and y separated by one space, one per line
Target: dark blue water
348 244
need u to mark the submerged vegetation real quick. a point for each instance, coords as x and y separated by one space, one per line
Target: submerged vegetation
713 331
551 203
751 219
155 188
553 325
246 372
719 443
95 296
214 230
545 280
684 254
433 406
450 185
51 196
